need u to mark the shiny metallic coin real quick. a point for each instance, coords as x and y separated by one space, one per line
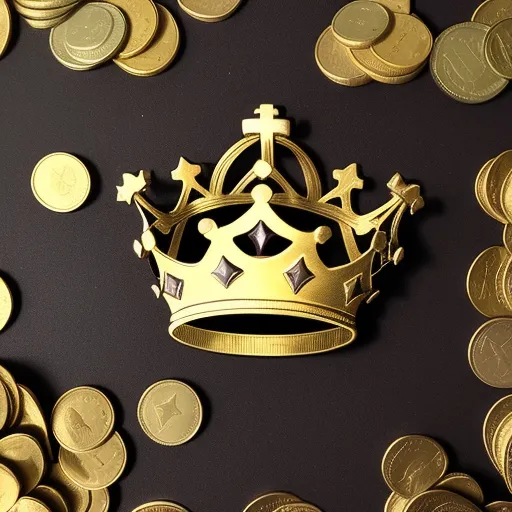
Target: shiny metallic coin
498 48
5 26
100 501
396 503
499 506
29 504
500 441
42 14
77 498
209 10
6 304
498 412
494 182
464 485
481 191
492 11
160 506
50 497
10 488
440 501
14 396
5 406
271 501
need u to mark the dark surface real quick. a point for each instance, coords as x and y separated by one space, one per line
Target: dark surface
317 426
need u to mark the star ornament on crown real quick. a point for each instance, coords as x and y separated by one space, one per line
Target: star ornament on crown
229 281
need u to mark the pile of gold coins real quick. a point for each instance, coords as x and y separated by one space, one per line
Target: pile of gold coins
374 40
489 280
280 502
472 62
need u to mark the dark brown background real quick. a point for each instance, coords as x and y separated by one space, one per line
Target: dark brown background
317 426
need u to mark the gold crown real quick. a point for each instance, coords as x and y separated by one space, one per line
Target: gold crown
295 282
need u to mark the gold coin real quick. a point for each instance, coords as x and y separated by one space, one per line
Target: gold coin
492 11
498 48
59 48
413 464
100 501
271 501
50 497
403 6
367 61
407 45
335 63
505 195
484 288
209 10
500 440
507 463
489 354
61 182
10 488
441 501
462 484
5 26
160 506
13 394
5 303
23 453
495 416
459 66
481 192
45 24
5 406
499 506
28 504
47 4
32 419
360 24
170 412
42 14
97 468
494 182
142 19
82 419
507 237
161 52
297 507
396 503
77 498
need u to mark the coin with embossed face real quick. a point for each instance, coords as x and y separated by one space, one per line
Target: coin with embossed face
209 10
77 498
462 484
459 66
271 501
160 506
413 464
498 48
441 501
492 11
82 419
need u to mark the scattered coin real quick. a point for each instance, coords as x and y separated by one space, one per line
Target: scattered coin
10 488
38 14
492 11
271 502
50 497
5 304
100 501
209 10
500 442
498 48
462 484
5 26
170 412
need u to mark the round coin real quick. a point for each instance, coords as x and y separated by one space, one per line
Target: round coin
29 504
462 484
160 506
490 355
160 53
61 182
407 45
498 48
459 66
495 416
5 26
82 419
10 488
209 10
360 24
13 393
441 501
492 11
142 19
77 498
170 412
484 288
5 304
335 63
47 4
396 503
100 501
499 506
97 468
271 501
481 191
23 453
59 49
413 464
50 497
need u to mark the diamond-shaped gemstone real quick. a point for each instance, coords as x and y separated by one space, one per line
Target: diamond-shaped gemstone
226 272
260 235
299 275
173 286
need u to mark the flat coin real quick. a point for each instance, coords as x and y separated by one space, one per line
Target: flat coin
5 406
28 504
495 416
440 501
499 506
462 484
403 6
271 501
42 14
481 192
494 182
59 49
360 24
500 441
5 27
160 53
61 182
484 289
160 506
459 66
413 464
492 11
170 412
5 304
50 497
32 419
298 507
335 63
407 45
13 393
97 468
142 17
100 501
77 498
10 488
490 356
209 10
507 237
23 453
498 48
82 419
396 503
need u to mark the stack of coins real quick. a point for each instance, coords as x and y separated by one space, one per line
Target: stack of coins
45 13
374 40
280 502
489 280
472 62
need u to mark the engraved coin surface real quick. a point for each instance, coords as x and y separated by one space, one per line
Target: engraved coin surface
5 304
29 504
160 53
209 10
492 11
403 6
88 28
23 453
413 464
160 506
170 412
9 488
97 468
61 182
13 393
334 60
50 497
271 501
462 484
498 48
5 27
490 353
77 498
82 419
459 66
407 45
498 412
441 501
361 23
298 507
484 288
100 501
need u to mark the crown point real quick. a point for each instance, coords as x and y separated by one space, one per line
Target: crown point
132 185
156 291
262 193
322 234
185 170
379 241
398 255
148 240
138 249
262 169
206 226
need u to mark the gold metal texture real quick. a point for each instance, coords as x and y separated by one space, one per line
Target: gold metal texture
100 501
51 498
440 501
160 506
492 11
495 416
77 498
209 11
498 48
464 485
